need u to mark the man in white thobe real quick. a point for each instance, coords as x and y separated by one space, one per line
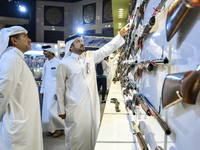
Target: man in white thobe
35 63
51 122
62 54
20 121
77 91
112 63
29 62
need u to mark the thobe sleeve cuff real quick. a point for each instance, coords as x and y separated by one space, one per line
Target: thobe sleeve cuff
61 109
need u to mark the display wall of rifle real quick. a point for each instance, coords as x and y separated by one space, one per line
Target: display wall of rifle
184 55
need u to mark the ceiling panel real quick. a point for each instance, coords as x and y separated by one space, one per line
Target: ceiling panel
69 1
120 10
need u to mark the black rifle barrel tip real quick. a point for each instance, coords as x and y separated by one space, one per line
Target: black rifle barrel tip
168 131
166 61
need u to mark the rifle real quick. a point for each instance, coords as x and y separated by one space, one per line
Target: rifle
177 14
137 101
148 25
149 136
128 105
126 71
152 63
131 48
142 8
145 102
130 85
131 40
142 64
138 73
121 70
133 3
124 81
181 87
159 7
115 101
140 138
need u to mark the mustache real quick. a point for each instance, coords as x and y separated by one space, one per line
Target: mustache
82 46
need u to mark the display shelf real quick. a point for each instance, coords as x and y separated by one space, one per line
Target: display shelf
116 131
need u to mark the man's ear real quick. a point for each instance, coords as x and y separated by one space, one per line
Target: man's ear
71 47
14 41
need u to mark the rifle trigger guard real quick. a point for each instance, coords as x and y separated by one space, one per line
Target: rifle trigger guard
178 94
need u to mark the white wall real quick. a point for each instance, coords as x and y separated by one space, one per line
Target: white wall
184 55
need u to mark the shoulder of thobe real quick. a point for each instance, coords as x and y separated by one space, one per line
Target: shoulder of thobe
11 64
9 74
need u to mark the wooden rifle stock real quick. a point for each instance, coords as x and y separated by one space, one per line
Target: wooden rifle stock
140 138
192 3
159 148
137 101
177 14
181 87
145 108
138 74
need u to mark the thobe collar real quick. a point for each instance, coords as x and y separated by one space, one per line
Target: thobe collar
76 56
20 53
51 59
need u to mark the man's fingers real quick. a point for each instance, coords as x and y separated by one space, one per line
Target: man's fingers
127 25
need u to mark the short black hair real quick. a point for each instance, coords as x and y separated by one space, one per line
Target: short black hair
106 58
46 46
15 36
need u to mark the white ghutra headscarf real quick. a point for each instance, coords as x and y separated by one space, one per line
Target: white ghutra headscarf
68 43
6 32
48 48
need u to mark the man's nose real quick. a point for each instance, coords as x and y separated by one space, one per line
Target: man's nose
82 43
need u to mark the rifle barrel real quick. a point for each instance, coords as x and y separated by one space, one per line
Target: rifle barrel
162 123
140 138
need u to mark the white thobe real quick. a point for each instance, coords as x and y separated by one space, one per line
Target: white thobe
20 121
78 97
50 120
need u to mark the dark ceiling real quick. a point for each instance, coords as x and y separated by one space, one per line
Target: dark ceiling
69 1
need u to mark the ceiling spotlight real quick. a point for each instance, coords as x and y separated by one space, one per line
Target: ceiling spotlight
80 30
22 8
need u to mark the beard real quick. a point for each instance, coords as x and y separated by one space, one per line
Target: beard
82 48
